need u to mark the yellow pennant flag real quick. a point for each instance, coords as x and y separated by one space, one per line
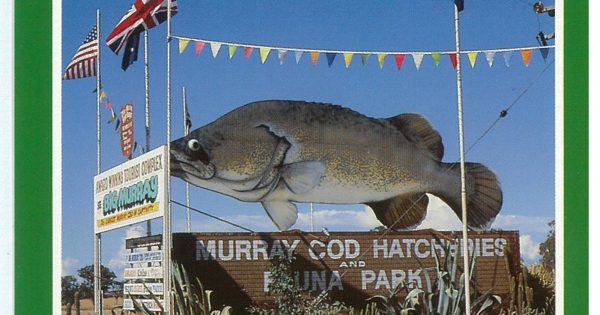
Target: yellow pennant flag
381 59
472 58
314 56
526 55
102 95
264 53
347 59
232 49
183 44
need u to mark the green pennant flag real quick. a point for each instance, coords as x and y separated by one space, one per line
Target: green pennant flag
232 49
363 58
436 57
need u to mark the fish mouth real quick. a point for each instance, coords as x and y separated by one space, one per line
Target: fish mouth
184 168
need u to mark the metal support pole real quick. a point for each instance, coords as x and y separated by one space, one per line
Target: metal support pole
147 112
167 216
187 186
98 236
463 190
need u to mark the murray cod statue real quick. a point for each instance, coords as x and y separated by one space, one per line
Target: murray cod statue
278 152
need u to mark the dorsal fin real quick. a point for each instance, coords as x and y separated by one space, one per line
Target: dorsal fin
419 131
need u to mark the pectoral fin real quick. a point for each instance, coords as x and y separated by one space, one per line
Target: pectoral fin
402 212
283 213
301 177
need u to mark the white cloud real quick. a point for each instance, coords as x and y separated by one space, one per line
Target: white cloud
118 263
67 267
529 249
440 216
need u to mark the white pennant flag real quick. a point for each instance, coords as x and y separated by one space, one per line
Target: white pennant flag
298 55
507 56
214 47
418 58
281 54
489 56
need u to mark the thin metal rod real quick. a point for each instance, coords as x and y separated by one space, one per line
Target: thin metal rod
98 236
187 185
167 216
213 217
147 111
463 190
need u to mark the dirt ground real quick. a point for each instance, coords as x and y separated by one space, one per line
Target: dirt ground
87 307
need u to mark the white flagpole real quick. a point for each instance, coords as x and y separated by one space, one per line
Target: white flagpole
463 190
187 186
147 111
98 236
167 216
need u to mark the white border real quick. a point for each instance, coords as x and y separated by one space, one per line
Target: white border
7 194
559 156
56 156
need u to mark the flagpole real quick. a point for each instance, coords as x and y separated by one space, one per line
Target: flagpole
167 216
98 236
463 190
187 185
147 112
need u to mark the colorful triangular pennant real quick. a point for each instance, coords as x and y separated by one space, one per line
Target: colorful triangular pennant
298 55
399 61
489 56
248 52
526 56
102 95
214 47
347 59
264 53
381 60
453 60
417 58
364 58
436 58
330 58
507 56
281 55
183 44
544 52
199 46
232 49
314 56
472 58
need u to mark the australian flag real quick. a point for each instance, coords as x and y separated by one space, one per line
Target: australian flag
143 15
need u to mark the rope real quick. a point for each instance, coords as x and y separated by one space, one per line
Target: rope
212 216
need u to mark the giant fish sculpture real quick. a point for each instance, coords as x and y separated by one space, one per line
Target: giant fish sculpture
279 152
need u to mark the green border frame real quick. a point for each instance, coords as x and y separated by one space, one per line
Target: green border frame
33 156
576 172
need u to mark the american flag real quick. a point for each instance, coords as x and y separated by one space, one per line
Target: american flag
83 63
143 15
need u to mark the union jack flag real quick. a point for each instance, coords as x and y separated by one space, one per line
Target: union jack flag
143 15
83 63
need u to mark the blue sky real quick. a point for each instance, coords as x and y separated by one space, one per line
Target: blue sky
520 148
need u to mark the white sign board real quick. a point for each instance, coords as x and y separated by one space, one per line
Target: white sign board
143 273
143 288
150 304
132 192
150 256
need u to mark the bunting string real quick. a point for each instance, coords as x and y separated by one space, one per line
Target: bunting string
347 55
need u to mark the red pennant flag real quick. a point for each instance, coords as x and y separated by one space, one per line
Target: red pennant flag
199 46
248 52
399 61
453 59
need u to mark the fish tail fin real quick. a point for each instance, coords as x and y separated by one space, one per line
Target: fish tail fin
484 195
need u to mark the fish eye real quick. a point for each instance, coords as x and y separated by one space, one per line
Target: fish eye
194 145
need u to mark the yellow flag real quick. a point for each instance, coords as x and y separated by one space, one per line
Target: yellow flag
264 53
183 44
526 55
102 95
381 59
232 49
472 58
314 56
347 59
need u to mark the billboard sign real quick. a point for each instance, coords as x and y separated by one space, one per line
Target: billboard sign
352 266
148 256
132 192
143 273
